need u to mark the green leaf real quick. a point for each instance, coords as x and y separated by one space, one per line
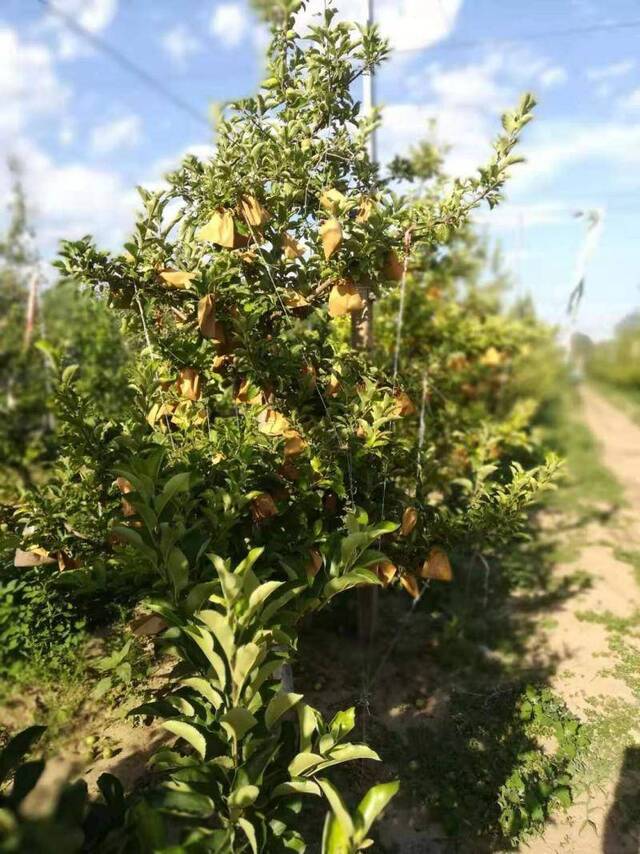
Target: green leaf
334 840
149 827
373 803
204 640
250 560
178 570
343 723
348 753
249 831
188 733
260 594
351 579
237 722
307 725
338 807
246 658
279 705
205 689
177 483
222 631
296 787
185 802
302 762
198 595
563 796
243 797
132 538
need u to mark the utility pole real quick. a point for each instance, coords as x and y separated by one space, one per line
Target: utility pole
362 339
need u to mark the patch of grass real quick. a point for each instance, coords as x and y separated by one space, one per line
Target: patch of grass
610 621
497 765
630 556
587 481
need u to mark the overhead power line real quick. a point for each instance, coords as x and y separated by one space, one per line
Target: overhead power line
587 29
126 64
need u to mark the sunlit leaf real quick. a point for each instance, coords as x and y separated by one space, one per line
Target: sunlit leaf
188 733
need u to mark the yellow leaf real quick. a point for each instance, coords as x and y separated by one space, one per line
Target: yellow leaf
189 384
294 443
491 358
220 229
207 323
385 571
291 248
410 585
252 211
409 519
177 278
393 267
294 300
272 423
331 235
437 566
244 394
344 298
263 507
331 200
367 207
403 404
158 412
333 386
219 362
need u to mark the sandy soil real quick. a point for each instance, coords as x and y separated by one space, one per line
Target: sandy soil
583 646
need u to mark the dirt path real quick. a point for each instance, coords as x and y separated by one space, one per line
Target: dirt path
593 678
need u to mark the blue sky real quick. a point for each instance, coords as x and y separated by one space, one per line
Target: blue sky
88 132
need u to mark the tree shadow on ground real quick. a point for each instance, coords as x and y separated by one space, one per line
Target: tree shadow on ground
443 697
622 826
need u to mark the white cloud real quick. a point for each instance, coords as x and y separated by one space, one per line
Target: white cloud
466 102
609 72
553 76
180 43
92 15
614 146
408 24
230 23
124 132
630 101
29 86
72 199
